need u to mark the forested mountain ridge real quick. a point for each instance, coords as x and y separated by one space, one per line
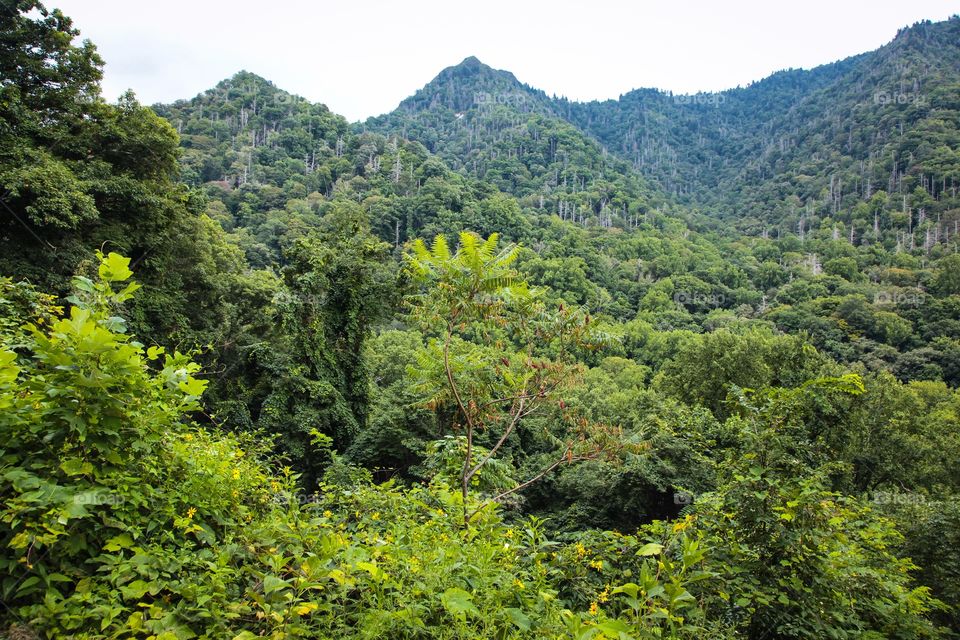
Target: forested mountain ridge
460 372
267 154
805 144
273 163
488 125
797 150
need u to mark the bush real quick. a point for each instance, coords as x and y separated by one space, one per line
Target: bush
121 519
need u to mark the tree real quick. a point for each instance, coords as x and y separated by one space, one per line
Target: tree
948 278
78 174
703 369
844 267
46 79
484 362
305 370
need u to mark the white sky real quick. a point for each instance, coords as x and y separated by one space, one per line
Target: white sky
362 57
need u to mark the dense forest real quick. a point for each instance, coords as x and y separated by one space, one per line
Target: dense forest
496 364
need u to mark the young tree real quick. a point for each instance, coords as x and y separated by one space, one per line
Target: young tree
490 357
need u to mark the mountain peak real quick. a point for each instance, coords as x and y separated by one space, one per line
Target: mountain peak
244 76
459 87
471 68
471 61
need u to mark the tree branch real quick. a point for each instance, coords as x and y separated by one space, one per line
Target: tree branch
506 434
565 458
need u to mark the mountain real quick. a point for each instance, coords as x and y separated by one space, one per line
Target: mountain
805 144
750 204
486 124
492 365
271 162
866 145
272 165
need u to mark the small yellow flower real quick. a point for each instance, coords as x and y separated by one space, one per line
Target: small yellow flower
604 595
327 513
191 512
683 524
597 564
188 437
581 550
518 583
594 608
236 473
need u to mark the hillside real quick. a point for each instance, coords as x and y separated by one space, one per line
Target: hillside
863 144
493 365
492 154
491 127
814 145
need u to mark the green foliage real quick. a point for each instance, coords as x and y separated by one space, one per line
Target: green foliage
763 440
475 294
930 528
801 562
78 175
120 519
704 369
305 369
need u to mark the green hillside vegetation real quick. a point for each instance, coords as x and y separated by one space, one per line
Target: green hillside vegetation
493 365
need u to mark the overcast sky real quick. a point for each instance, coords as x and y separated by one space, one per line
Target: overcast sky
362 57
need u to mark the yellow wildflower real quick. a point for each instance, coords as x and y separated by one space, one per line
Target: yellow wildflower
191 512
594 608
597 564
683 524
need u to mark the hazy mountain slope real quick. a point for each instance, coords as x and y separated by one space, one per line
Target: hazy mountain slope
488 125
804 144
798 150
686 143
271 164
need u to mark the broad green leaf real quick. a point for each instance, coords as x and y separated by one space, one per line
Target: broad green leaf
458 602
518 618
272 583
115 268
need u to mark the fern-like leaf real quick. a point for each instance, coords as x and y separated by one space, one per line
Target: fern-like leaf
441 250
